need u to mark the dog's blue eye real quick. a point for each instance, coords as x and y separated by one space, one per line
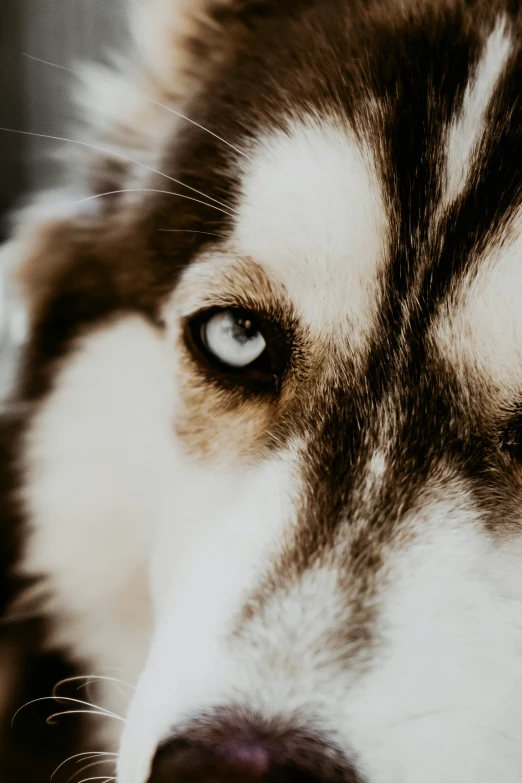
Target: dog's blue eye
233 338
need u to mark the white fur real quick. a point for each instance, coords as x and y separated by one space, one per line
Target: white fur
217 569
442 700
104 445
95 460
415 713
312 215
467 129
479 329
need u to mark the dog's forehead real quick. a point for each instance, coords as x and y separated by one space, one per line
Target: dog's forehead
338 211
311 212
478 329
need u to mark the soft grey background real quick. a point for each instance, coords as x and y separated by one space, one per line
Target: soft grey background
63 32
36 98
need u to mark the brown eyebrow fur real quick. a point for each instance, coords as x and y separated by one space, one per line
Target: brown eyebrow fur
236 281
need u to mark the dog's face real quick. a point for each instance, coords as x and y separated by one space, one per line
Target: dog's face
274 470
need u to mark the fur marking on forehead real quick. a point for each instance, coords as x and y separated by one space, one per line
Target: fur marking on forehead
467 129
312 214
480 326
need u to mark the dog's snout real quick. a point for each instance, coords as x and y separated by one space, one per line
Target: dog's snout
236 763
242 752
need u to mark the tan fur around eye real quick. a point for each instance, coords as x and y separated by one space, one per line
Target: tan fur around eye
217 424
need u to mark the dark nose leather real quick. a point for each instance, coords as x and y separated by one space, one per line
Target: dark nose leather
226 749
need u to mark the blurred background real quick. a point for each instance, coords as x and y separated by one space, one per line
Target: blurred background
36 98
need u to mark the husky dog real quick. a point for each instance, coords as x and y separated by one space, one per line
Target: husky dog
268 469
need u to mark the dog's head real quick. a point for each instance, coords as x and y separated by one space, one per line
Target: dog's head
275 465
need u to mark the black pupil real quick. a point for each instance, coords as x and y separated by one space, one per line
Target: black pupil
244 329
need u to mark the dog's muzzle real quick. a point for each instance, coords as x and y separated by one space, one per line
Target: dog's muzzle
225 749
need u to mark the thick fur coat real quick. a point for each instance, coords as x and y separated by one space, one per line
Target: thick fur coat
308 565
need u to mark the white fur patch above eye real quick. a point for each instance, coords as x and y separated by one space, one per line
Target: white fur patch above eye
467 129
312 214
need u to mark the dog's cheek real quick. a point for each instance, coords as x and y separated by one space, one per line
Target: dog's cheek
94 461
218 427
442 698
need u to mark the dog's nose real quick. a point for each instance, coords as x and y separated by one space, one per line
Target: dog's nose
227 751
180 761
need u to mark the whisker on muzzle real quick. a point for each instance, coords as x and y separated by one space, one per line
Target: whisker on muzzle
84 756
94 708
89 766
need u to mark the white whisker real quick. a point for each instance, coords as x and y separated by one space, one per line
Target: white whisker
94 754
87 754
61 700
100 777
92 679
146 97
151 190
275 439
117 688
119 155
89 766
101 713
88 678
189 231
